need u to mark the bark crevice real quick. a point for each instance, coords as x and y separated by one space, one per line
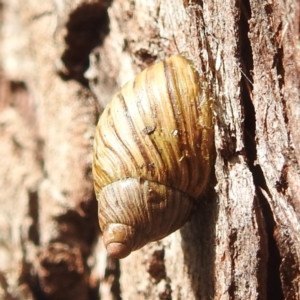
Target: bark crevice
274 289
87 27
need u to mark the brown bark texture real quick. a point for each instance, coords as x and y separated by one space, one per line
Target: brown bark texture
61 62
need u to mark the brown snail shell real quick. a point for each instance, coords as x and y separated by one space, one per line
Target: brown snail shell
152 155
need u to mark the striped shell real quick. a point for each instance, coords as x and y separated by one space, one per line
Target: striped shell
152 155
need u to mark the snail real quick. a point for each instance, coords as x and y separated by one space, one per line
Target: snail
152 155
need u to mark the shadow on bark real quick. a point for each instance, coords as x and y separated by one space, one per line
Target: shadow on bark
198 244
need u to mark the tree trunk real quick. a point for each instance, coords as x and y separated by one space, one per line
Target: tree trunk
61 63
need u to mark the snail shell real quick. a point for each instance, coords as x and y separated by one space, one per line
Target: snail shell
152 155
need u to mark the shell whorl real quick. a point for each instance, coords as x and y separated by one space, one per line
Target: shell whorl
156 130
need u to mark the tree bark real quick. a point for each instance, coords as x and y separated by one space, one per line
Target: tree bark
61 63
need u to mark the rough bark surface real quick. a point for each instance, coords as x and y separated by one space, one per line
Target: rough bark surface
61 62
